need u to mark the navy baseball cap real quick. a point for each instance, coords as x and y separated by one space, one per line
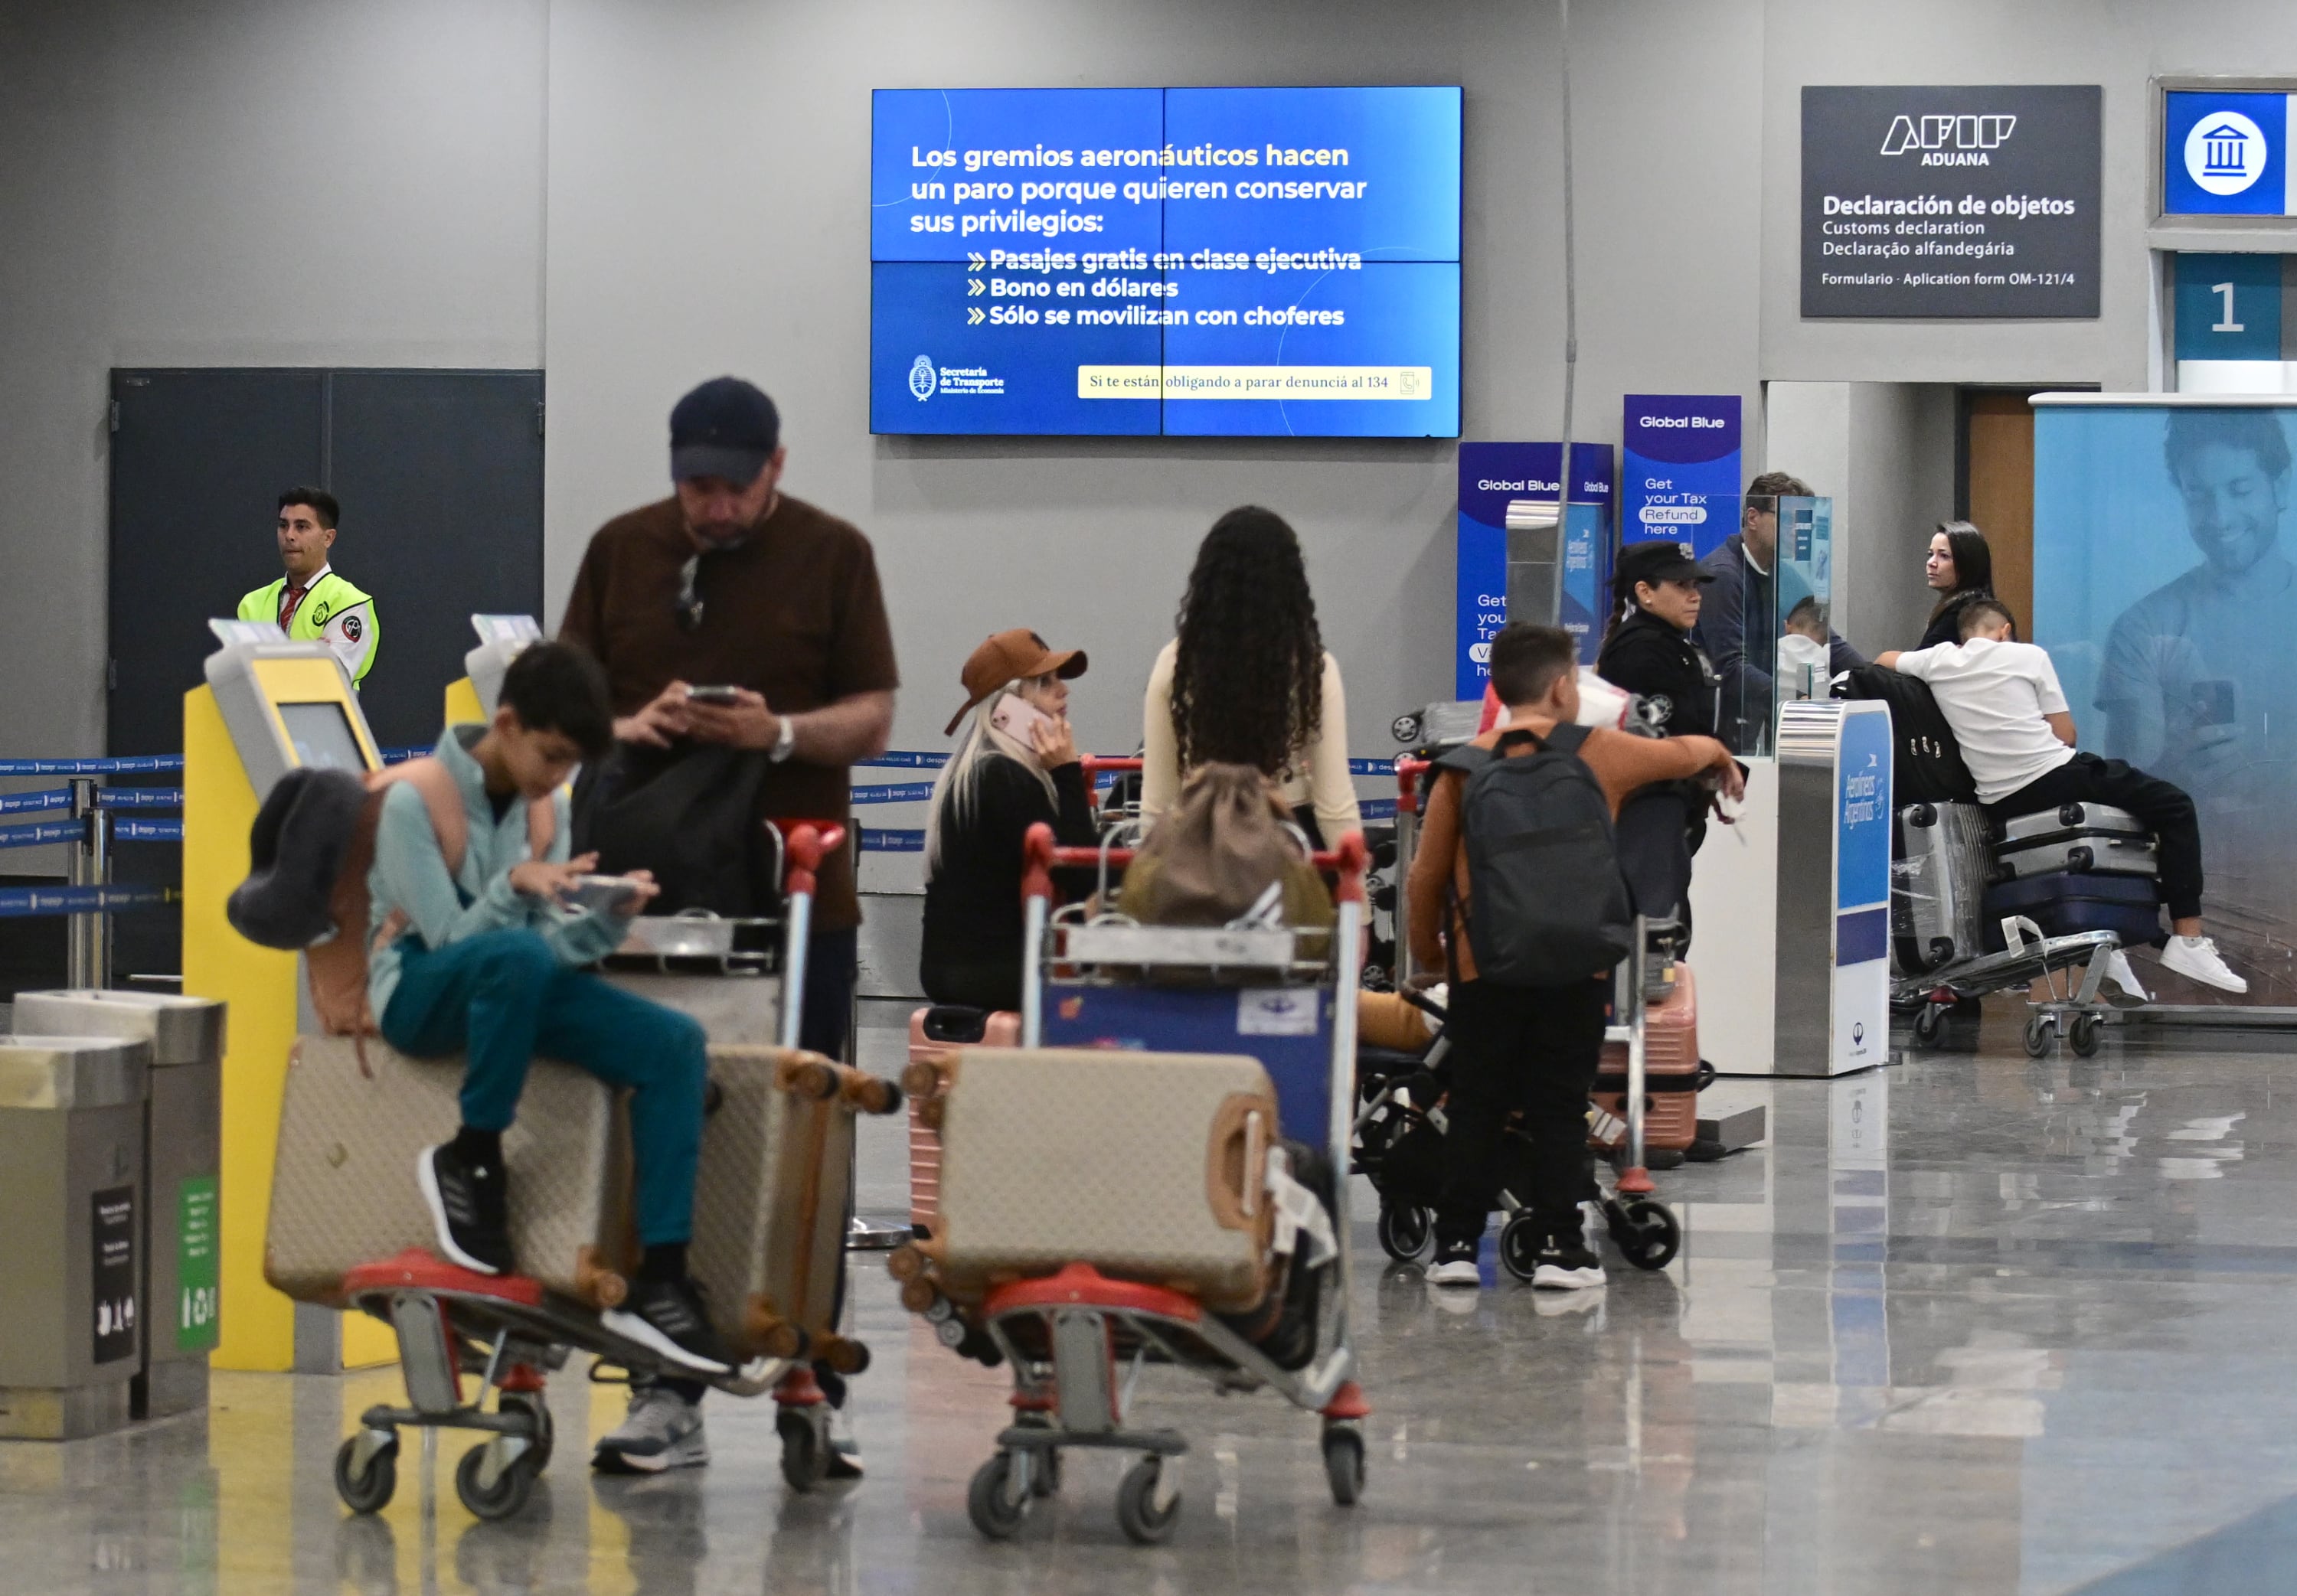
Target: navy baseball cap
1659 561
726 428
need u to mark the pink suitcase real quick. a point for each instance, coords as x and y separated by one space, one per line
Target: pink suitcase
937 1033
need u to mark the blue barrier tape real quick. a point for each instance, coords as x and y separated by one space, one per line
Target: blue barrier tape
131 765
903 791
147 831
1371 767
17 902
909 760
1376 809
139 797
42 832
17 803
876 839
399 756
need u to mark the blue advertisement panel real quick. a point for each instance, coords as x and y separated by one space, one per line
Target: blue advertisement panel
2167 613
1679 474
1214 262
1491 474
2226 153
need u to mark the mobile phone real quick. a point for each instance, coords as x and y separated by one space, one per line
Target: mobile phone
714 694
2213 701
601 894
1016 719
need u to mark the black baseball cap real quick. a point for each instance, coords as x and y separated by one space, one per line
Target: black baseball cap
1657 561
726 428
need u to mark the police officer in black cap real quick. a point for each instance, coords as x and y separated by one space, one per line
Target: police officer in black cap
1656 596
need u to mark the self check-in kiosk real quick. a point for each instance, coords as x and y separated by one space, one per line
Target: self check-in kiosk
474 695
269 706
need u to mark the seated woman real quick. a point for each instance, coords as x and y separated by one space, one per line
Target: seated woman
1016 766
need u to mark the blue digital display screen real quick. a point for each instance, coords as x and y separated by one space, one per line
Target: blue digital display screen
1213 262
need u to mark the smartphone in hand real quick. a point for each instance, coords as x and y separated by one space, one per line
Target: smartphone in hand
1018 720
724 696
601 894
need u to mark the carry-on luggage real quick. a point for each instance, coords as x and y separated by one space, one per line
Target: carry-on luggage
1148 1167
344 1192
1937 885
933 1032
2077 837
1671 1074
771 1196
2063 904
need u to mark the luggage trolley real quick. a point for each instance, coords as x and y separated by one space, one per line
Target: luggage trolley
2072 1009
509 1331
1644 1229
1078 1340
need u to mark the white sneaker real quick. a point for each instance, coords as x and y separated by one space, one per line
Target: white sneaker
1454 1271
2196 958
2118 972
662 1430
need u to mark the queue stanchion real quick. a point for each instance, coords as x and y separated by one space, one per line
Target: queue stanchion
88 945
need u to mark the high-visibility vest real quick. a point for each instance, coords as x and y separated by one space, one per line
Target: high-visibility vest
329 599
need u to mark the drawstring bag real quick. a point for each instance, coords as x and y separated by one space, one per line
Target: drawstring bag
1223 853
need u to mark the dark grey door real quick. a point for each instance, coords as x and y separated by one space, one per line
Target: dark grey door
440 476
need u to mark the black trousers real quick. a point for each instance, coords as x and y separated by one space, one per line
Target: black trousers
1527 1050
2162 805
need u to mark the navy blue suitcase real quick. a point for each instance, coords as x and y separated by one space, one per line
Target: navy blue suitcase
2063 904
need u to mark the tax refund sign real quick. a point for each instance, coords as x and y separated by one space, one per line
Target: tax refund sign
1950 201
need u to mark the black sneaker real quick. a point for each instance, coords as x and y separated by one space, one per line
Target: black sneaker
1454 1264
667 1316
1565 1263
470 1204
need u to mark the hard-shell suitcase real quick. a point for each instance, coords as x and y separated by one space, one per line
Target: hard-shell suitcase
1148 1166
2077 837
1670 1067
344 1190
1937 885
934 1032
772 1195
2128 906
2049 825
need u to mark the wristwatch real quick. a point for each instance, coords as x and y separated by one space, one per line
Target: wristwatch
784 741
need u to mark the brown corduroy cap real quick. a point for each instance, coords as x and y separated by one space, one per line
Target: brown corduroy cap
1011 656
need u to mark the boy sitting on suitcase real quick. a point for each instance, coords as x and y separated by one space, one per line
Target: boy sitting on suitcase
483 962
1531 1048
2017 734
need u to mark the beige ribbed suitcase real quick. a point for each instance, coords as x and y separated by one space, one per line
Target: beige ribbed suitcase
1148 1166
343 1191
771 1196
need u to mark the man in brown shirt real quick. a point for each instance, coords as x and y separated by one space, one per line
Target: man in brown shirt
1532 1050
733 583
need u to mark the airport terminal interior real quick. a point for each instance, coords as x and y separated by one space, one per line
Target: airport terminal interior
1611 903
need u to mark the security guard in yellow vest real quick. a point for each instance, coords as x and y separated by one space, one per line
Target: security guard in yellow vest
311 601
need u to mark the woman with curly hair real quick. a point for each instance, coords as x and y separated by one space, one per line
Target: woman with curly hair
1247 680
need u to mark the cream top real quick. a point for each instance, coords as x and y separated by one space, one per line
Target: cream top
1317 774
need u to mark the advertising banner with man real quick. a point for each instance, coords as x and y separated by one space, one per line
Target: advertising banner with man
2164 591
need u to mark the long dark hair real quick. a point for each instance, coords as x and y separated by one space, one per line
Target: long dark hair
1973 566
1249 676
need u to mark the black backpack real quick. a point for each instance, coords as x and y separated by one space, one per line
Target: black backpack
1550 906
1926 767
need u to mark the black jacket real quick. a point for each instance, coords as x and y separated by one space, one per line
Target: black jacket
972 952
1947 626
1646 655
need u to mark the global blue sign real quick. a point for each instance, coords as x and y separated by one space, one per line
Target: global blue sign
1679 478
1490 475
2226 153
1207 261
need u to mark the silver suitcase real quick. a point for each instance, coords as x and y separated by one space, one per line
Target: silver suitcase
2068 819
2083 853
1937 885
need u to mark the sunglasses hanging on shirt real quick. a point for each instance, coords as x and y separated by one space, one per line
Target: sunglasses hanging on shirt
689 606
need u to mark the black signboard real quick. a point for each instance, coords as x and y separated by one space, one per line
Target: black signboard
1950 202
113 1244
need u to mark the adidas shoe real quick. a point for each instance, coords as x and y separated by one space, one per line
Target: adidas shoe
470 1206
662 1430
667 1316
2196 958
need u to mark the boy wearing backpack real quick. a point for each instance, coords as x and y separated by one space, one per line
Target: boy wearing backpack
1516 890
482 959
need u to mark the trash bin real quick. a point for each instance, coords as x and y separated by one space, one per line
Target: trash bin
183 1140
71 1188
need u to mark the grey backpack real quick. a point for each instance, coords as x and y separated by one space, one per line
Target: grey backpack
1548 905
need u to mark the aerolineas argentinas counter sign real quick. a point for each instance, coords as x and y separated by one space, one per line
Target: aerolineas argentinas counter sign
1950 202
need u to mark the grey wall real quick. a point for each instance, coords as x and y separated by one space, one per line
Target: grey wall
235 182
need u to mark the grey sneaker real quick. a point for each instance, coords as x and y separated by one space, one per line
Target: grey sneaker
662 1430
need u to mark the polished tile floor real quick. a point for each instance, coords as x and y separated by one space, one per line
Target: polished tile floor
1971 1324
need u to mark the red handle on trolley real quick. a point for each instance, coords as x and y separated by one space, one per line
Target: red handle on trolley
1039 856
805 843
1095 763
1408 772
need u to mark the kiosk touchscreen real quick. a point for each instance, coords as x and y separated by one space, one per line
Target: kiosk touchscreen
271 706
501 638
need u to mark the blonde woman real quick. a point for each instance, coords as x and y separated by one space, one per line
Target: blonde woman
1016 765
